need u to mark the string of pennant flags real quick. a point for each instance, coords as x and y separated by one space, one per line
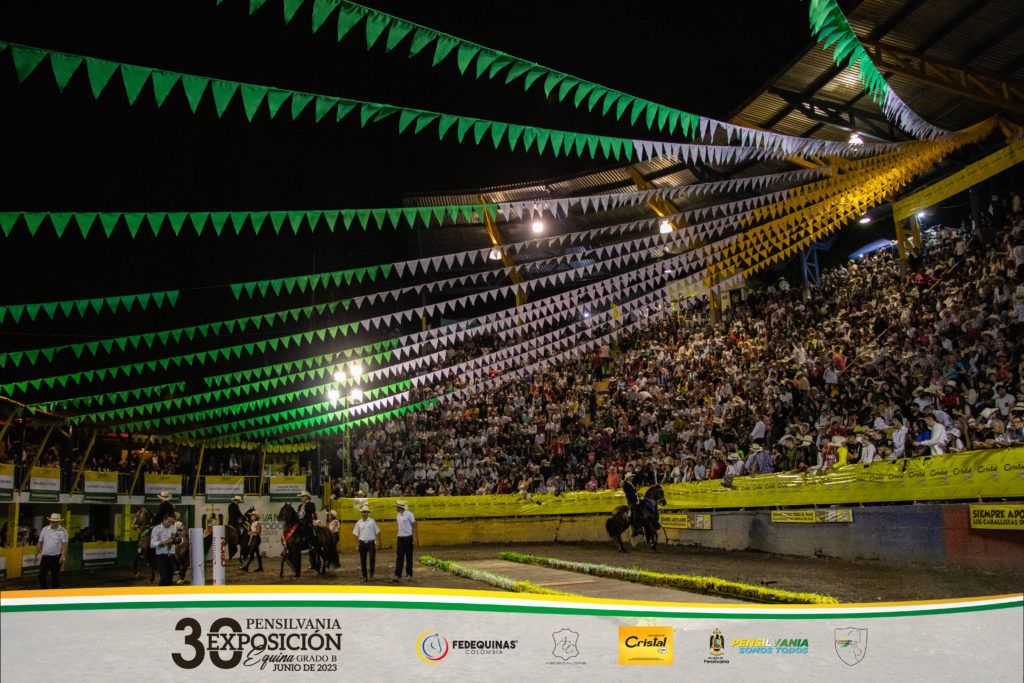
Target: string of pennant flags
268 320
473 58
626 283
466 371
533 139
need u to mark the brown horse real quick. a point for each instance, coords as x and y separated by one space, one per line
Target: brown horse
648 523
143 521
324 554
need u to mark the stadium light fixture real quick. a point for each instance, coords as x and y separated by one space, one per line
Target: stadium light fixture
864 220
664 227
356 395
333 395
356 370
921 215
339 375
855 139
538 226
495 254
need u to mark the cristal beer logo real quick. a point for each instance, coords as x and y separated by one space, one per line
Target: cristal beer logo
645 645
285 644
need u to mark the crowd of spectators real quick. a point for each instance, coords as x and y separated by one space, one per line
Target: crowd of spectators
879 362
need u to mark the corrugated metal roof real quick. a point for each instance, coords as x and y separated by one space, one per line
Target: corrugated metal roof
989 34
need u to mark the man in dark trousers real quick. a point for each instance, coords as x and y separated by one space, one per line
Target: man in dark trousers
307 516
51 551
255 530
367 534
162 540
407 538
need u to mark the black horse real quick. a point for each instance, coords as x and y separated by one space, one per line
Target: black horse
322 555
644 521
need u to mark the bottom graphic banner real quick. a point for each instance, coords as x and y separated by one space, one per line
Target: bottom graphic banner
314 633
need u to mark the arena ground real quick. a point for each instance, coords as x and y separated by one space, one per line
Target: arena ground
848 581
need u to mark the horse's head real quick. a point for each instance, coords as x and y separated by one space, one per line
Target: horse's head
656 494
287 514
249 512
141 520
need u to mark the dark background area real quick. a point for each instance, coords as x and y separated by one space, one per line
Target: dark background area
73 153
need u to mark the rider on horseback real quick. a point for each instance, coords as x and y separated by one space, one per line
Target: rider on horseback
636 518
236 518
307 516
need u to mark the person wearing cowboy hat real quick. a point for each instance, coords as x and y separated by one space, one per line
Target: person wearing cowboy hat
367 535
51 551
235 516
307 516
333 526
166 507
255 533
407 538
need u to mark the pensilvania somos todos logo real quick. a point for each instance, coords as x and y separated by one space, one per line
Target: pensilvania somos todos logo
432 647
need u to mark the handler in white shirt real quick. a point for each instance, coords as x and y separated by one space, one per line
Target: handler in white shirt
367 534
407 537
51 551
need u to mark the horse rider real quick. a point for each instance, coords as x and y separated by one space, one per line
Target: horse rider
165 508
307 517
235 516
635 511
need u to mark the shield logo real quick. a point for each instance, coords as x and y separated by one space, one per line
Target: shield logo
565 644
851 644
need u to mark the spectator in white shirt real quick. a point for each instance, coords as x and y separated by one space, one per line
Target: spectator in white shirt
937 441
162 539
407 538
367 535
51 551
899 436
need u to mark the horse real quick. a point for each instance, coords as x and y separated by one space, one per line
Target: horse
238 541
143 520
320 557
620 521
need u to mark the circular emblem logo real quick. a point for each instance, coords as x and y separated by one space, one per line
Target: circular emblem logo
432 647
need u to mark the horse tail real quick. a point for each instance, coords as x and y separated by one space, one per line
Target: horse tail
609 525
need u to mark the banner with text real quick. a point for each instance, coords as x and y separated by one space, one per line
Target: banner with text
265 633
44 486
957 476
286 488
100 487
157 483
223 489
99 554
1006 517
6 482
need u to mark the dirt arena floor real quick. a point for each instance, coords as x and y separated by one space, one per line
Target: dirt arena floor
848 581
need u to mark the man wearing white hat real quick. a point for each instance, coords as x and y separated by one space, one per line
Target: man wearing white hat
166 507
235 517
307 516
407 538
51 551
367 534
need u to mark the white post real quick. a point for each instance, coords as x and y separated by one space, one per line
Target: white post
196 555
219 553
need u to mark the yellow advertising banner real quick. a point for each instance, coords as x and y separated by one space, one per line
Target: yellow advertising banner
6 481
844 515
985 168
957 476
1005 517
687 520
44 485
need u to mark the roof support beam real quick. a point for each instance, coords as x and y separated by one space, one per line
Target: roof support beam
946 28
495 234
1001 31
838 114
1001 93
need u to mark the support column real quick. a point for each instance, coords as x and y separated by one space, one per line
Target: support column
199 470
85 460
498 243
35 460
